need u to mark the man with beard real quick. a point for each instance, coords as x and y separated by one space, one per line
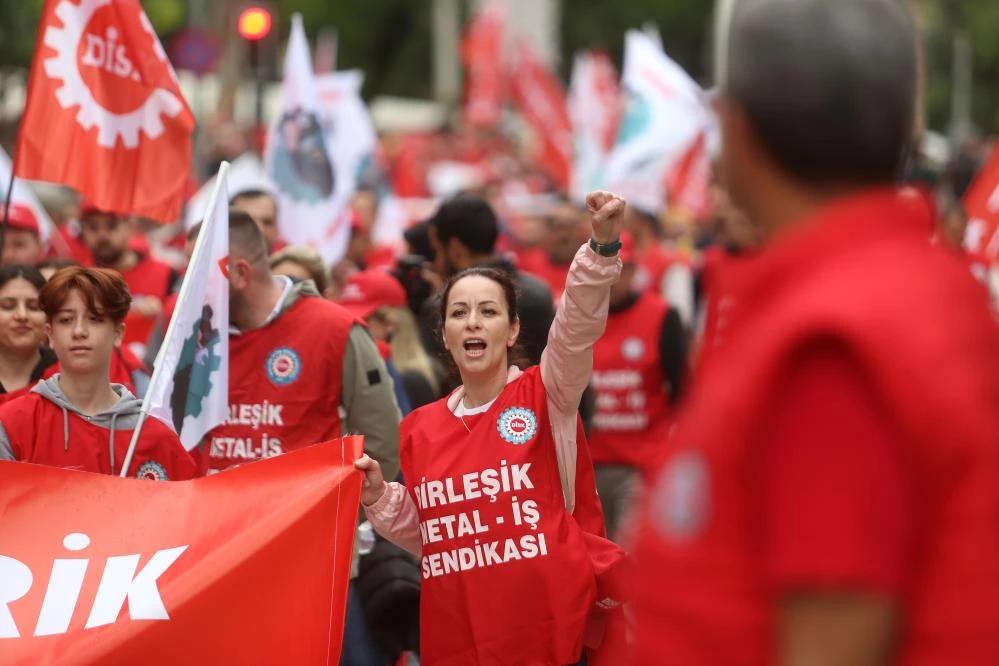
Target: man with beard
567 227
150 281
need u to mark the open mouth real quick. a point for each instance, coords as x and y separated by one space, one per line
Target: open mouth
475 347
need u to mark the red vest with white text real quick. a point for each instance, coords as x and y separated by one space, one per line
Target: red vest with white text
506 577
149 277
284 385
632 414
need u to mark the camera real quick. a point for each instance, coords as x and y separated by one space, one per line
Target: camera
408 271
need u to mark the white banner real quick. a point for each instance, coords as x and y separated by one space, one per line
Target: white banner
665 112
312 157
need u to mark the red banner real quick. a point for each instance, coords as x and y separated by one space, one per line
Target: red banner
105 114
541 99
982 205
250 566
482 57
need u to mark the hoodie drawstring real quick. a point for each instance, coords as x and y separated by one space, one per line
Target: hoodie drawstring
114 417
65 429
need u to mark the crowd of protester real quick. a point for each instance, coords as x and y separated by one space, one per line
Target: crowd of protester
608 322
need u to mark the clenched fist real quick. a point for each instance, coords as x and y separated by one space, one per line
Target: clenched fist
607 216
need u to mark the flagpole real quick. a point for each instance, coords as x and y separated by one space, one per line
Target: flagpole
6 209
204 234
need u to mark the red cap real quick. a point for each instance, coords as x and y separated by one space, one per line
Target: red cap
366 291
22 217
627 251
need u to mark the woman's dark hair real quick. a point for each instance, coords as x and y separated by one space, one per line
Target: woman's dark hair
29 273
516 354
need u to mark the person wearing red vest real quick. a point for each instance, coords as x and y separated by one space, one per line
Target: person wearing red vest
78 419
830 493
639 370
302 370
567 227
501 505
107 237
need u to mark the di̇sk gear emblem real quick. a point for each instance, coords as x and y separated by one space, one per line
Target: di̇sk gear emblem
517 425
152 471
75 92
283 366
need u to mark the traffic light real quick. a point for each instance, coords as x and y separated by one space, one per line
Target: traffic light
254 23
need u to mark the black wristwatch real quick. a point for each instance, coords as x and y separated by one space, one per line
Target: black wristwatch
609 250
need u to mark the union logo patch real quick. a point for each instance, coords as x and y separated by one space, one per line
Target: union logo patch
517 425
283 366
152 471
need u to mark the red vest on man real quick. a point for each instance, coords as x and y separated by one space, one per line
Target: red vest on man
539 264
863 275
631 421
284 385
507 578
149 277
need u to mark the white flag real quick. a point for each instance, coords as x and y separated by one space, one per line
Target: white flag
595 111
665 112
307 160
189 390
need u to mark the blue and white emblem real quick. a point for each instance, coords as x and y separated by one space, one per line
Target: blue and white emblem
283 366
152 471
517 425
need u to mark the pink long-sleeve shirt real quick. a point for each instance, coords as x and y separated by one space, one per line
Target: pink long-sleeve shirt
566 365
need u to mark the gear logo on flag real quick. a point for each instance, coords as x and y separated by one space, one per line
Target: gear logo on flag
106 55
199 360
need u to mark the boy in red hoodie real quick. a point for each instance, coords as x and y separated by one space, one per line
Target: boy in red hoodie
78 419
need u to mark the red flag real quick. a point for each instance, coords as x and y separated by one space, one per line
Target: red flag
688 182
982 205
482 56
250 566
105 114
540 97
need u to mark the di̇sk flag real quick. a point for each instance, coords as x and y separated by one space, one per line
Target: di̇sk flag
105 114
247 567
305 160
482 57
540 99
665 111
189 389
595 112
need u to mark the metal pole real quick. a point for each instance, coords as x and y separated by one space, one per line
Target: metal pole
258 75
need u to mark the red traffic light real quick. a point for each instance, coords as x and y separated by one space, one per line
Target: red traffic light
254 23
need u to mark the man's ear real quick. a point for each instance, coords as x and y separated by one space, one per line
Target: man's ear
119 334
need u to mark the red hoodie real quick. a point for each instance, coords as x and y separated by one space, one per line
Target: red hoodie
44 428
